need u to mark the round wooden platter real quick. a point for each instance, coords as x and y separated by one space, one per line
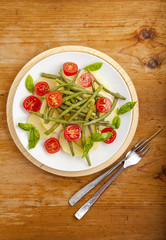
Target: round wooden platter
91 51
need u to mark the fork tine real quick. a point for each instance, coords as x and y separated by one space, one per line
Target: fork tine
136 145
143 153
143 144
140 150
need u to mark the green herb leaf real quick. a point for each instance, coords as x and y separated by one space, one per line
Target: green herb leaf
126 108
94 66
116 122
25 126
34 134
87 147
29 84
33 137
99 137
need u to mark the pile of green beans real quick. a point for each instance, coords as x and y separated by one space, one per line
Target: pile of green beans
78 107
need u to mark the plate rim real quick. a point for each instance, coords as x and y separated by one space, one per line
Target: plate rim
72 48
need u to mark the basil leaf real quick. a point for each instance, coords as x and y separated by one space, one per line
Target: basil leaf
25 126
29 84
126 108
87 147
116 122
33 137
99 137
94 66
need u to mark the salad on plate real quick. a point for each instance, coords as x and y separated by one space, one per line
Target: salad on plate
73 110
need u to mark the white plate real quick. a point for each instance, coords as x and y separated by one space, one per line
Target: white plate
62 161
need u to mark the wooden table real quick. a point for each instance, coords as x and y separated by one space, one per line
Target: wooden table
34 203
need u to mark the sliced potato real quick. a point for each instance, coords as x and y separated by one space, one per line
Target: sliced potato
33 119
50 124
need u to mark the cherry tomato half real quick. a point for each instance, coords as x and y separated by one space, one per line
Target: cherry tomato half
52 145
103 104
54 99
32 103
85 79
72 132
41 88
70 68
113 136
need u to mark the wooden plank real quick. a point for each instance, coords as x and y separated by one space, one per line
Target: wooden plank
33 203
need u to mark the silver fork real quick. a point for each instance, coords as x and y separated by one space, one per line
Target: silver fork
132 158
83 191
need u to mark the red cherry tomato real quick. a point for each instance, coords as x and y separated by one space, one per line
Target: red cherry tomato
32 103
70 68
85 79
52 145
54 99
41 88
113 136
72 132
103 104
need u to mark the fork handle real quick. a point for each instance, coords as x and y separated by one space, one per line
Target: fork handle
85 208
83 191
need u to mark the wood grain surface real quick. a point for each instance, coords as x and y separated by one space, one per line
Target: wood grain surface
34 203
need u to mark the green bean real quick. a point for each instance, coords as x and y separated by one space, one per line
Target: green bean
37 114
91 107
86 119
48 132
68 103
74 111
72 96
59 81
75 77
70 144
67 80
70 93
96 126
87 102
73 106
51 112
52 76
105 114
116 95
84 127
73 100
71 148
46 113
90 129
96 98
59 110
78 144
88 160
57 120
104 124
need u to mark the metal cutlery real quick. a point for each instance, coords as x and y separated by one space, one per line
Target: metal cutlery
131 158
